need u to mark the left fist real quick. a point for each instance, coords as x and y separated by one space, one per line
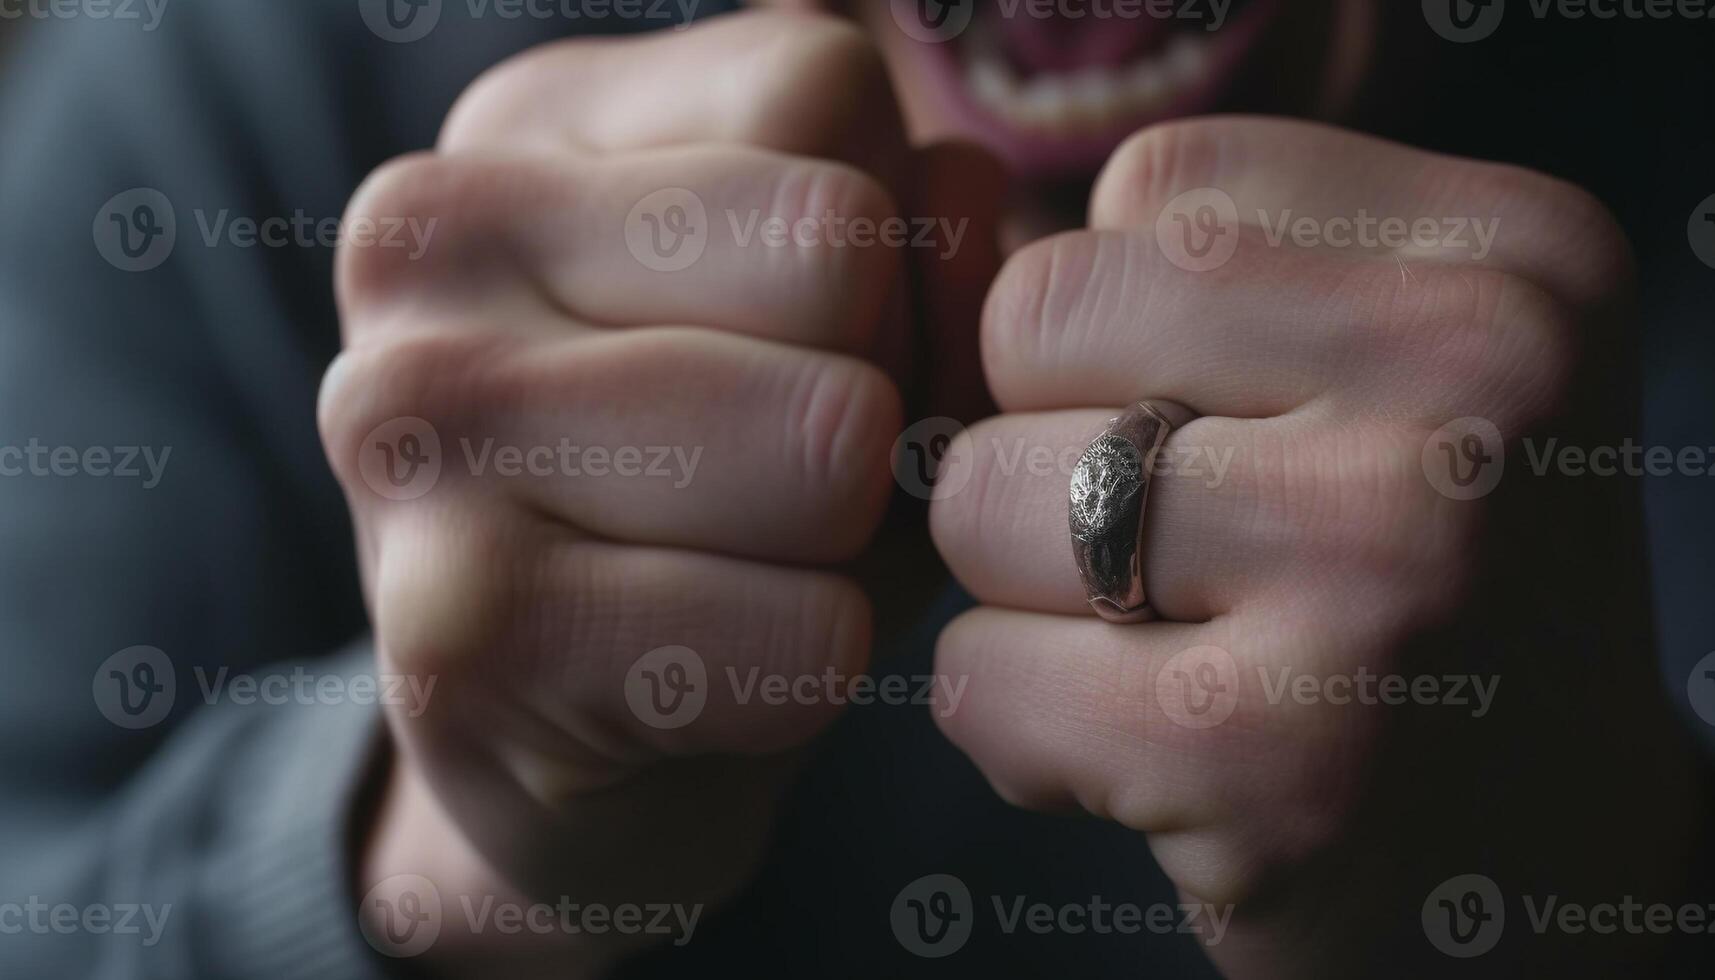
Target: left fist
1381 664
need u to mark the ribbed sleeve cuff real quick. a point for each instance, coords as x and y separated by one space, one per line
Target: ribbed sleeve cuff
274 900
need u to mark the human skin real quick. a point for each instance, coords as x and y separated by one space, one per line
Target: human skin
1325 550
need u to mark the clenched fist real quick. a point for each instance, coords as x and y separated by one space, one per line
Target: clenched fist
562 307
1324 528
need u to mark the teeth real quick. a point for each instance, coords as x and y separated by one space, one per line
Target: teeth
992 82
1090 97
1187 58
1149 85
1044 100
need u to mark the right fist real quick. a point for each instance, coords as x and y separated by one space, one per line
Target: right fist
633 453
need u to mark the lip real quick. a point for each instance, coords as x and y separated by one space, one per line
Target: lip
1043 154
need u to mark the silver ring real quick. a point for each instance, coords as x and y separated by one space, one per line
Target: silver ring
1109 490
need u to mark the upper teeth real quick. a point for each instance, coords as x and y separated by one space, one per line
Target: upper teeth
1088 98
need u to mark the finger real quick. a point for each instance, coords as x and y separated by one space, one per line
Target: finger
1087 319
682 437
1542 228
1004 534
1167 728
1105 318
610 656
692 237
1060 712
797 83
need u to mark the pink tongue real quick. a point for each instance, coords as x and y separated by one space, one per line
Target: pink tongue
1060 44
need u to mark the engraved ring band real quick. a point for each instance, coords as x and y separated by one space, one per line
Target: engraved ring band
1110 488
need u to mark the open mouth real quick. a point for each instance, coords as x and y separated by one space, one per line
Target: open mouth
1056 93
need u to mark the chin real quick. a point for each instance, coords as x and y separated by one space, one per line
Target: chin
1053 96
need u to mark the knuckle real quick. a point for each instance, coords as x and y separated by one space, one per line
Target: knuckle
410 186
831 626
843 419
430 221
816 75
1356 502
825 627
846 284
1153 165
443 379
1510 339
443 591
1036 308
1494 339
1021 757
1605 249
986 509
500 100
1584 238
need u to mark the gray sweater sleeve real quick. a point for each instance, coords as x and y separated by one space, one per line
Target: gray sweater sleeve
180 618
169 533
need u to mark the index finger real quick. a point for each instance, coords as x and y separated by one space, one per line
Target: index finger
802 84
